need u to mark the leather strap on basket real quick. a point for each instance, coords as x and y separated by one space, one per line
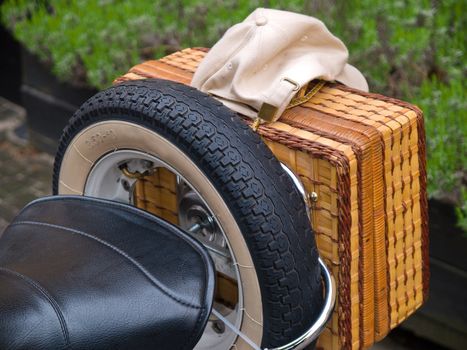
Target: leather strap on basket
303 97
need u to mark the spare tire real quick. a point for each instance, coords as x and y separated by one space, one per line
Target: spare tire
247 207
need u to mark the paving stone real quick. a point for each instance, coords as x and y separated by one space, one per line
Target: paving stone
25 173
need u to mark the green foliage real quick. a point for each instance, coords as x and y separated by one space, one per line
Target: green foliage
410 49
462 211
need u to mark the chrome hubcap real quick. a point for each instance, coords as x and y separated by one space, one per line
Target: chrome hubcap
115 176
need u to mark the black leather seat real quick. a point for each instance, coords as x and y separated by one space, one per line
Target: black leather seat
80 273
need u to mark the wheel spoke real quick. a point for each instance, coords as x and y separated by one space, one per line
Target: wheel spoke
136 178
235 329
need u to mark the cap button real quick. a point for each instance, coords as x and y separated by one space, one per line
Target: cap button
261 21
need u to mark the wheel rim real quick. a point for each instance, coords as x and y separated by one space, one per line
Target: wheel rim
115 176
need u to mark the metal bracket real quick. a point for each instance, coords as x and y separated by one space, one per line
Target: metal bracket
329 284
314 331
329 298
299 185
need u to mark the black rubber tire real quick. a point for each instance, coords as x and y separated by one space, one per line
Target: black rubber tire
266 205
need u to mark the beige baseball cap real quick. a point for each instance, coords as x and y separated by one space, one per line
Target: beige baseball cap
262 62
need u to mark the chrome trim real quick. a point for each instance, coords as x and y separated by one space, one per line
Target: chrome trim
315 330
299 185
329 298
329 285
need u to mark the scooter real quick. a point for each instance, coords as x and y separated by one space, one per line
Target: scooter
88 268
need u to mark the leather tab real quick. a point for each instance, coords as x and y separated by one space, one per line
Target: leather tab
268 112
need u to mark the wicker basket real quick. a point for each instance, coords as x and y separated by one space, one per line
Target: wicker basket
364 156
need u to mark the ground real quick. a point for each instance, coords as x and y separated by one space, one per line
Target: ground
26 174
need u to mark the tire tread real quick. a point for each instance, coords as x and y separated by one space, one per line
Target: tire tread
258 192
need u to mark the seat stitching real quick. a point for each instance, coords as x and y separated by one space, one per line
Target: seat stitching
194 331
105 203
49 298
109 204
154 281
131 210
187 239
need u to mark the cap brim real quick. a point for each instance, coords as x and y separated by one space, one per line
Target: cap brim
352 77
